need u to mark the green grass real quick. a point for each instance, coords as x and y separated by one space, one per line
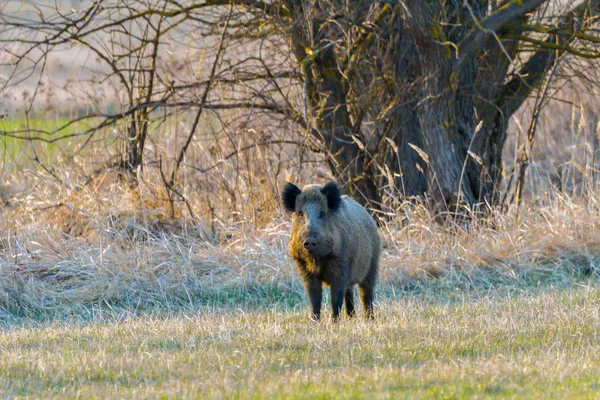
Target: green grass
540 343
17 153
89 311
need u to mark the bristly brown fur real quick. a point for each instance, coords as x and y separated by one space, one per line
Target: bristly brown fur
345 250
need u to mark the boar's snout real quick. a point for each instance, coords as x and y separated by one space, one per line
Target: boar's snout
311 243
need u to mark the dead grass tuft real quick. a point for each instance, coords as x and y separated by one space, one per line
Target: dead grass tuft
79 234
94 251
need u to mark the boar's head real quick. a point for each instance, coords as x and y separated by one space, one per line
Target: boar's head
314 211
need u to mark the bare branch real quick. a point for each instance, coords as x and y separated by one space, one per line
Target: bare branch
508 13
534 70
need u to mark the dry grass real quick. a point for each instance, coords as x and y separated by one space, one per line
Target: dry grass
103 294
107 289
89 247
532 345
77 258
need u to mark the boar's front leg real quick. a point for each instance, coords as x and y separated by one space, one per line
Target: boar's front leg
314 289
338 292
349 301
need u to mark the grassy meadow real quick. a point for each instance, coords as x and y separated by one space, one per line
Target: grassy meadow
174 280
532 344
113 289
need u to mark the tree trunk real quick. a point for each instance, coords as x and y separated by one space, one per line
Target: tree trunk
419 97
445 144
134 152
400 56
327 99
138 129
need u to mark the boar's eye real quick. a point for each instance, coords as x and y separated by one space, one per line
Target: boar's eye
300 213
322 214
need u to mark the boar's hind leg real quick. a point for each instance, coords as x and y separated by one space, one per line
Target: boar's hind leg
366 295
350 302
367 289
314 289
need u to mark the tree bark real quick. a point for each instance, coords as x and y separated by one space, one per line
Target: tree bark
440 127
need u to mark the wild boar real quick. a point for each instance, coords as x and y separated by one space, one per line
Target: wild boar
334 241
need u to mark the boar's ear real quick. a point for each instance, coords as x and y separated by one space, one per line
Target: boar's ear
332 192
288 196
